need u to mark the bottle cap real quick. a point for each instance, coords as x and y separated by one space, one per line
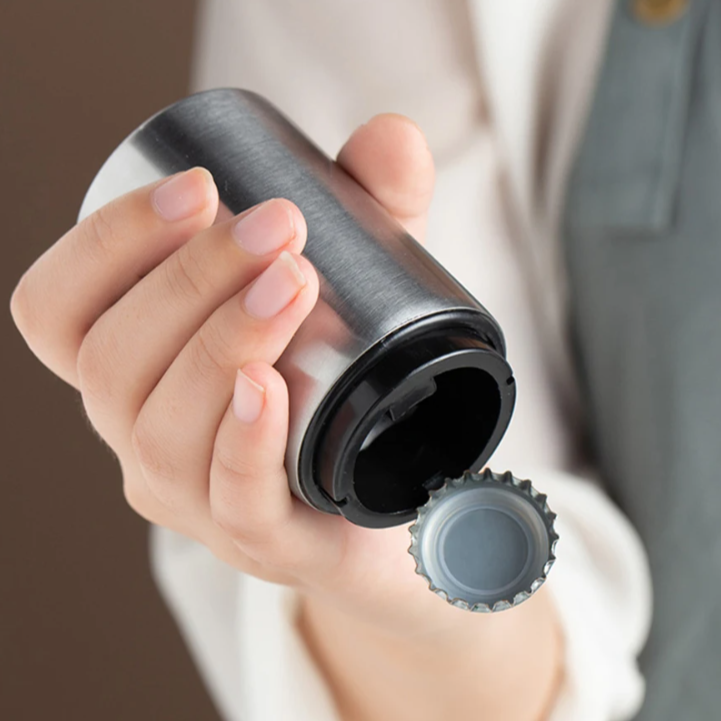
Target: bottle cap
485 542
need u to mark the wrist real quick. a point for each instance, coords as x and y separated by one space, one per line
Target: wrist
506 665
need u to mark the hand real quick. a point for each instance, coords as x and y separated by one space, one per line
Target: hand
148 309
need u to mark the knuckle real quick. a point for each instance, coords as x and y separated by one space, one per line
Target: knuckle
154 459
227 519
137 498
261 539
94 366
238 524
25 311
227 552
230 553
277 553
186 274
230 517
233 469
19 304
213 355
101 233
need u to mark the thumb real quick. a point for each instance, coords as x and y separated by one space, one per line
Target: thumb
390 158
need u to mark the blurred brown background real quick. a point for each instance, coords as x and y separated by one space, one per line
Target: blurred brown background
83 631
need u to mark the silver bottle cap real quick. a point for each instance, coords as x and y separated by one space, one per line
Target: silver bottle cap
485 542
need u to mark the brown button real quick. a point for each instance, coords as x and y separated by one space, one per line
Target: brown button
658 12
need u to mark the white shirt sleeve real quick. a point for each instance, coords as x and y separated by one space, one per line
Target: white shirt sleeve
241 630
601 585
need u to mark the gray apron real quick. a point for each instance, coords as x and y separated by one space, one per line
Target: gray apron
642 246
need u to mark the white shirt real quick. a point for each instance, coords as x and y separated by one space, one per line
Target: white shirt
330 66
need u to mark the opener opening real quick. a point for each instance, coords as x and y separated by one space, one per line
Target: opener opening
440 436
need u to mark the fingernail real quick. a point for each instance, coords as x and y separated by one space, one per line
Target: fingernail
248 398
265 229
183 195
275 287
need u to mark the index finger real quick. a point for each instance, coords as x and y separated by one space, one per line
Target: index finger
97 261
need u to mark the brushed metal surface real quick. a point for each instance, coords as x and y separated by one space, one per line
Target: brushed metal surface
374 277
